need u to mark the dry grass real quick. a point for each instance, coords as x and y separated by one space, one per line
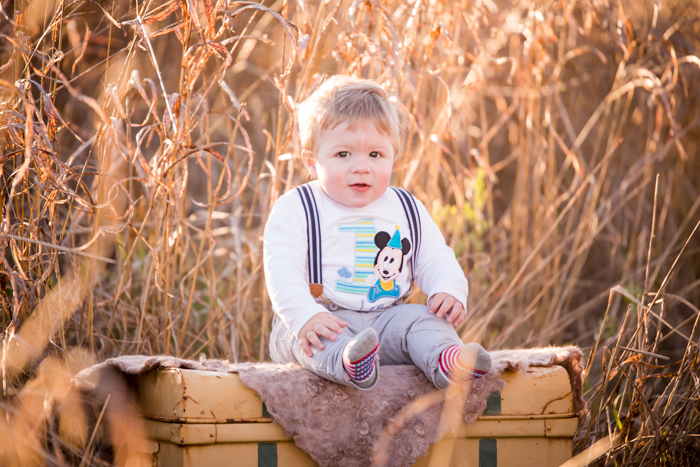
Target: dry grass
554 142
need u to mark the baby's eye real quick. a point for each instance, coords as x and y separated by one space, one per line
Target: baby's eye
374 154
343 154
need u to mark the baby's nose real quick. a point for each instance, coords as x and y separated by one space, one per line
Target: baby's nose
360 166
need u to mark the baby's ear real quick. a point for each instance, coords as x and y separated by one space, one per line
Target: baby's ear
307 157
381 239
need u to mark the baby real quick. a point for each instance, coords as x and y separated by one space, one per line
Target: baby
342 252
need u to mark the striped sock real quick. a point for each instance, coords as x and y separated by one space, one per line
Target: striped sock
362 369
455 370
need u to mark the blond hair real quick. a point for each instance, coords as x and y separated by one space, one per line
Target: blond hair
347 99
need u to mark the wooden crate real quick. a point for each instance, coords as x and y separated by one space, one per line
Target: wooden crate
202 418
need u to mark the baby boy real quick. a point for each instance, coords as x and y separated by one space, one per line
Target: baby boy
342 252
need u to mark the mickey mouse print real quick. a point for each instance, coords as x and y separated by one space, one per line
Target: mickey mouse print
381 264
388 266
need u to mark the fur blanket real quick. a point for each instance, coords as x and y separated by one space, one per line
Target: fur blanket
393 424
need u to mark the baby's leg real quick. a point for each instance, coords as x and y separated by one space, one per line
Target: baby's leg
410 334
328 363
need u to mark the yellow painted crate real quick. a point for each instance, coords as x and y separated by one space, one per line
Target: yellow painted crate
203 418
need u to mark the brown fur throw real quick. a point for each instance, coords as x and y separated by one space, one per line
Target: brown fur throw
392 424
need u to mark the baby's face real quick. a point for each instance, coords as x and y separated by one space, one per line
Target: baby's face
352 166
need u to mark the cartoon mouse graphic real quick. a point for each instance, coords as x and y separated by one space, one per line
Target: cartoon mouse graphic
388 265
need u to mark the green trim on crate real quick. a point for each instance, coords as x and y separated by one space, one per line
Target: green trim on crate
493 404
265 413
488 455
267 455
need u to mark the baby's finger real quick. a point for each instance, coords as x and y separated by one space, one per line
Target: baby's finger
339 321
322 330
460 320
445 307
333 329
456 312
435 303
314 340
304 343
333 326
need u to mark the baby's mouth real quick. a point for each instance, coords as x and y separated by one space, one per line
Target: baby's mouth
360 187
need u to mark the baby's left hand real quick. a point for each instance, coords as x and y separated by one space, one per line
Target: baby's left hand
442 304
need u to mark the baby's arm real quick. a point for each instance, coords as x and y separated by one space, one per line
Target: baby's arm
284 258
439 274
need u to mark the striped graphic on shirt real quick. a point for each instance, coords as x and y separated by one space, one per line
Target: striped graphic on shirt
365 251
413 217
313 233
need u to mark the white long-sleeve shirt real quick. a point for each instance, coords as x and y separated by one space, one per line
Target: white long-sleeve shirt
355 276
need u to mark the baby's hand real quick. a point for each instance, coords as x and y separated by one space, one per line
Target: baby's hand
322 324
441 303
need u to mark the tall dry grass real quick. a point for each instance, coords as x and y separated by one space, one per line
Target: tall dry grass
554 142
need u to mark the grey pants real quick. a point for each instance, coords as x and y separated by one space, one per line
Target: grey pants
408 334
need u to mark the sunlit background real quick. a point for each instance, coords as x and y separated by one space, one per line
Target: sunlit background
555 143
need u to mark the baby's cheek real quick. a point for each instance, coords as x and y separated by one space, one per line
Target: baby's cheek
384 179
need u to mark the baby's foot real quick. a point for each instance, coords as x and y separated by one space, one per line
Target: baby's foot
460 363
359 356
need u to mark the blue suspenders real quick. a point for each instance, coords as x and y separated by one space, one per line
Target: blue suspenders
313 233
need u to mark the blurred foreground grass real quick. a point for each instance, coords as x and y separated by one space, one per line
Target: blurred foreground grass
555 143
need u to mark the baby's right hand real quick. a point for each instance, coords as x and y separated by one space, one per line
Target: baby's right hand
323 324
